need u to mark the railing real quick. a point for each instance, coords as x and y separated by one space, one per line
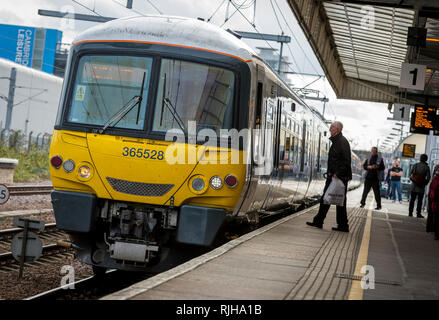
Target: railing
19 141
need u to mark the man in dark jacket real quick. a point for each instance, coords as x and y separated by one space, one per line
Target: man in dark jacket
418 190
339 166
373 166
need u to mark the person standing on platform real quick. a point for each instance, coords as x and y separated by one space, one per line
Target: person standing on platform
420 175
433 205
339 166
373 166
388 181
395 180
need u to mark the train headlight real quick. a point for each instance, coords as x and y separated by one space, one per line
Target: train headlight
216 182
68 165
84 172
198 184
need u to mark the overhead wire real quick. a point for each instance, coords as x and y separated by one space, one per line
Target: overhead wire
288 45
210 18
295 38
243 5
238 10
303 51
84 6
132 9
152 4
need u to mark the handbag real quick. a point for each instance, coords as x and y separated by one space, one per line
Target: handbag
335 193
417 179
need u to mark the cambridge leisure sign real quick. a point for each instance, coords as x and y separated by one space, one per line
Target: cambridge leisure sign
29 46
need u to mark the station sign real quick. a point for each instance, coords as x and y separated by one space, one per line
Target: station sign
424 119
409 150
4 194
401 112
30 46
412 76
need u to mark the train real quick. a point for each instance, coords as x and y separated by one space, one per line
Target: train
168 128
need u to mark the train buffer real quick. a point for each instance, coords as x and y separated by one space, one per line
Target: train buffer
386 255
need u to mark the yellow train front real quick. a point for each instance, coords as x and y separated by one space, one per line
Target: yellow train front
130 177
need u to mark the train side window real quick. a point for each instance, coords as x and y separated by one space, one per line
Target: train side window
282 148
293 148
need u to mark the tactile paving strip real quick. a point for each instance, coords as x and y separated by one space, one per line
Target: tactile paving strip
336 256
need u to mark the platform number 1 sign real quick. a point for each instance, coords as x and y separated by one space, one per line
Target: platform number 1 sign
412 76
401 112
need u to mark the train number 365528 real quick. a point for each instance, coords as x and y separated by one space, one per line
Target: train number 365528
143 153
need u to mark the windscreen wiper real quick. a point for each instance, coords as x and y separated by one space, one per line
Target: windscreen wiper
136 100
174 113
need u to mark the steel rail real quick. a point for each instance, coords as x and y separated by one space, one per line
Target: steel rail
30 190
7 234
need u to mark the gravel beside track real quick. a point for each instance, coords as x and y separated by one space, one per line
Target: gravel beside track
39 278
30 201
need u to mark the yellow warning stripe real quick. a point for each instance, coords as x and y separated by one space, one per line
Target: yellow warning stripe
356 292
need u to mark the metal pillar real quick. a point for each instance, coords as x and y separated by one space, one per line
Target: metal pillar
11 94
280 56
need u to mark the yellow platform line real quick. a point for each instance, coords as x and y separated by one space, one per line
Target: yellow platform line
356 292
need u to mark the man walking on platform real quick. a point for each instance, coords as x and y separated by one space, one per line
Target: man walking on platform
339 166
420 176
395 180
372 165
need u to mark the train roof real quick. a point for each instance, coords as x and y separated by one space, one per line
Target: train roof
180 31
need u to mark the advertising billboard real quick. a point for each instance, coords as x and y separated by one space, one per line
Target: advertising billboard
29 46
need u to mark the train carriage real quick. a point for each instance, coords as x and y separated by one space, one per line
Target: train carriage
167 127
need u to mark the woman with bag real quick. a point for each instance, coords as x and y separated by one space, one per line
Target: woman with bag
433 205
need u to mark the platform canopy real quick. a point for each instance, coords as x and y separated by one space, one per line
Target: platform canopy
362 44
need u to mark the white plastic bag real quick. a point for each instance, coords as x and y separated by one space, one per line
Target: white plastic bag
335 193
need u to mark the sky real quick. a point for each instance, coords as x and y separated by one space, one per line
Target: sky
365 123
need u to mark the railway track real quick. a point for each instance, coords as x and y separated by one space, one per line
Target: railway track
50 231
101 285
51 251
94 287
30 190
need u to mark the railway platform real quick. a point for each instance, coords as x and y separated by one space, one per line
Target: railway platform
386 255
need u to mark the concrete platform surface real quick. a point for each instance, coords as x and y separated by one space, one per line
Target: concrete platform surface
290 260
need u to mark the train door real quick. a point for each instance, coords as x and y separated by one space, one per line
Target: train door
303 147
258 133
318 167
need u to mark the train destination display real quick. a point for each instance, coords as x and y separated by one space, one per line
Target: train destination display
424 119
409 150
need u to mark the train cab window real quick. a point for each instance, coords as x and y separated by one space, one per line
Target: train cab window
106 84
189 91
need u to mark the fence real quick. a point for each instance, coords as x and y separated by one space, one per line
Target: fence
19 141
